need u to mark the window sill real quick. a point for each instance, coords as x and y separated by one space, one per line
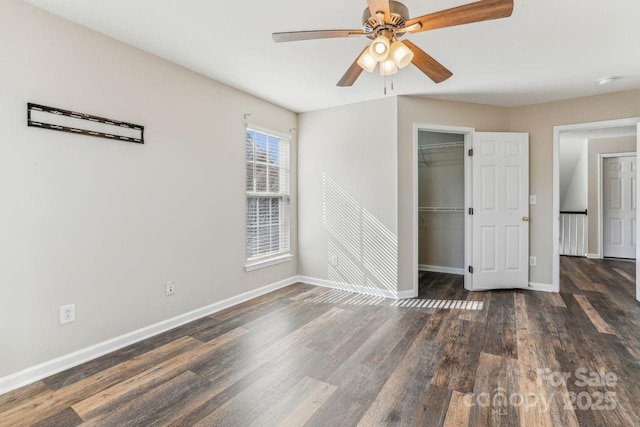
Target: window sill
255 265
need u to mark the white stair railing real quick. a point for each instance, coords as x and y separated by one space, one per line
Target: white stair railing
573 233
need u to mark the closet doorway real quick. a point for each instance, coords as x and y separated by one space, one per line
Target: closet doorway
442 196
441 205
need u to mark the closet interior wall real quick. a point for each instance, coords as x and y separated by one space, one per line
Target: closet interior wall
441 202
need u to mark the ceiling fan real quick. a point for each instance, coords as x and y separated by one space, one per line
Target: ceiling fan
386 21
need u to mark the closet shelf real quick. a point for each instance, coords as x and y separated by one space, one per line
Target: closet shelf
439 209
429 149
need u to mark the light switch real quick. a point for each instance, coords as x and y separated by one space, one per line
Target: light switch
533 200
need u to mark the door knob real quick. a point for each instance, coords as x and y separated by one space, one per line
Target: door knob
525 218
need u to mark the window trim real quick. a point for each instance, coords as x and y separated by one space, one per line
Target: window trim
281 256
268 261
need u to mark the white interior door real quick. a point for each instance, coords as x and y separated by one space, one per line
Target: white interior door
500 220
619 207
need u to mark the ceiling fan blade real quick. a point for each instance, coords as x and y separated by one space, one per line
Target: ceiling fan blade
484 10
311 35
425 63
376 6
352 73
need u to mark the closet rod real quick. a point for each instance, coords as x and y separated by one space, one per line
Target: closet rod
441 146
439 209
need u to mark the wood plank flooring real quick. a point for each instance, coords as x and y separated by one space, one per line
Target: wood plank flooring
311 356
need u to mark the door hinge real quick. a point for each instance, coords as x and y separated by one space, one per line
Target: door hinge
470 152
470 269
470 211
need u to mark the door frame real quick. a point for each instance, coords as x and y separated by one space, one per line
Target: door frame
467 132
555 211
601 158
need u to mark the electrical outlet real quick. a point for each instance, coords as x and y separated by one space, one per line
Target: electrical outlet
67 313
171 288
334 260
532 261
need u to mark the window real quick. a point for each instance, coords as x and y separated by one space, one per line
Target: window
268 198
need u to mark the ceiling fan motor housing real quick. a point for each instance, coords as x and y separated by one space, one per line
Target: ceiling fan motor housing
399 16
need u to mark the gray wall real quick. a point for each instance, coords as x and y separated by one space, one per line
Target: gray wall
625 144
106 224
537 120
348 195
358 163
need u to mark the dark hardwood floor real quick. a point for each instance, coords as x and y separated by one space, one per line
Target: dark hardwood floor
312 356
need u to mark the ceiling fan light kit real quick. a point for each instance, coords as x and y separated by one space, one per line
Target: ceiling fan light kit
391 56
386 21
367 62
401 54
379 49
388 67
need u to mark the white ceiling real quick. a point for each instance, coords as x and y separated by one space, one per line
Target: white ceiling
548 50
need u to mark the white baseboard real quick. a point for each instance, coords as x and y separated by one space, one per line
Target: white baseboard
348 287
541 287
594 256
438 269
51 367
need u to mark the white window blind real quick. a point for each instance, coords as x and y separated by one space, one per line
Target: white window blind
268 195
